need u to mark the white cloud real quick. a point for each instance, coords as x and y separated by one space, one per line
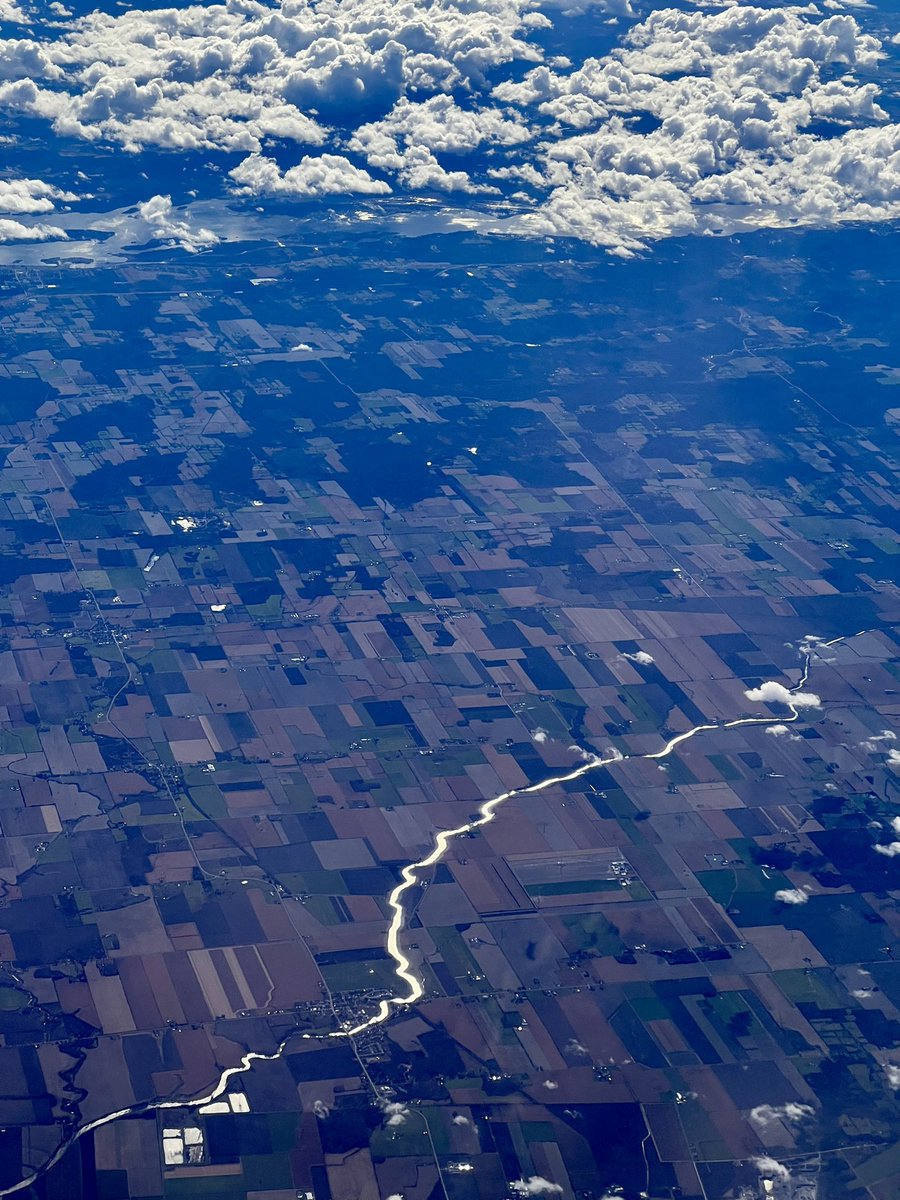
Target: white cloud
540 736
732 95
25 197
321 1109
395 1113
780 731
891 849
573 1046
771 692
460 1119
405 96
893 1075
893 757
640 656
872 745
321 175
791 896
16 231
767 1114
30 196
163 224
771 1168
535 1185
550 1084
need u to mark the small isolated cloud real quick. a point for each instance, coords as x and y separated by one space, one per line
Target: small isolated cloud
765 1115
460 1119
573 1046
551 1085
640 656
783 731
809 641
874 744
893 757
771 692
540 736
395 1113
771 1168
160 215
892 1070
588 756
791 896
321 1109
395 1196
535 1185
892 849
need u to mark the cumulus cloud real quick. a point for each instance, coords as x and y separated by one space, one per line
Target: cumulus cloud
782 731
229 76
395 1113
540 736
16 231
889 850
640 656
408 140
771 692
164 225
893 1075
23 197
321 1109
771 1168
892 849
765 1115
573 1046
535 1185
697 122
730 99
319 175
893 757
792 896
30 196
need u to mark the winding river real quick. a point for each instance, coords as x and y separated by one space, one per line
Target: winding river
410 986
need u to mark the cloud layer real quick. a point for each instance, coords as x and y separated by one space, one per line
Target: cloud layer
698 122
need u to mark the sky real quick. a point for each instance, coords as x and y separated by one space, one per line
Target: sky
614 122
